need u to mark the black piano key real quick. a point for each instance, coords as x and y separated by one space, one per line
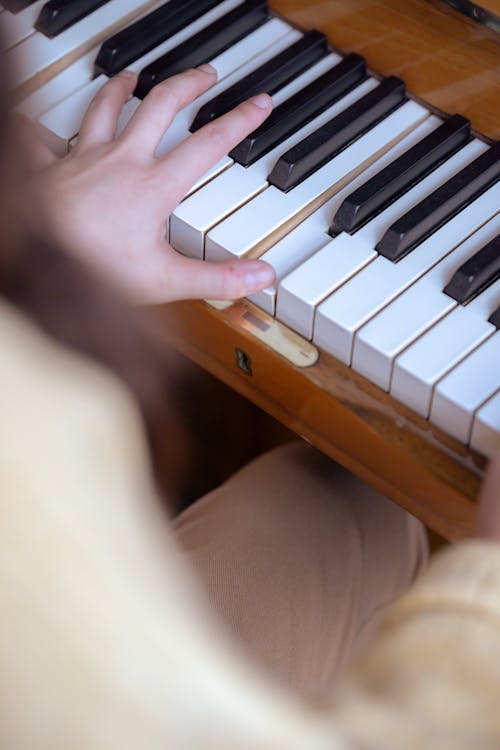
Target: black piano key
402 174
476 274
441 205
307 157
14 6
271 76
495 318
301 108
204 46
147 33
58 15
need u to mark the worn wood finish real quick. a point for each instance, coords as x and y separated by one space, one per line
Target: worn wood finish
444 58
339 412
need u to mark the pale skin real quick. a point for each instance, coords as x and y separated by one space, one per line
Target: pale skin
106 202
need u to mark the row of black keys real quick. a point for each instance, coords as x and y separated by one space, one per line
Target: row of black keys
313 152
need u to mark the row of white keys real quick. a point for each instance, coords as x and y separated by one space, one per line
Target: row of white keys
198 214
254 224
379 342
425 362
302 291
61 123
311 247
64 84
460 394
342 314
485 436
38 53
18 26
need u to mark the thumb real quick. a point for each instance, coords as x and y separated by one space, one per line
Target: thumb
197 279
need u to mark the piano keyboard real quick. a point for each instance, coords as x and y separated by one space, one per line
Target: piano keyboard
380 217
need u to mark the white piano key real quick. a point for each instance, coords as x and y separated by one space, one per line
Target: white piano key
38 53
289 252
253 44
256 222
60 87
457 397
18 26
486 428
344 312
196 216
311 236
61 123
221 166
378 343
421 366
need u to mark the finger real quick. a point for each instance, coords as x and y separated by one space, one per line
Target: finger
35 153
101 119
196 279
194 156
153 117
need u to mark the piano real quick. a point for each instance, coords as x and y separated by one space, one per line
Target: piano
373 190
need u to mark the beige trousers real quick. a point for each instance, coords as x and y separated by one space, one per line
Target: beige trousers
300 559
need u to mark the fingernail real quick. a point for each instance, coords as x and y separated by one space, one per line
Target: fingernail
258 276
127 74
263 101
207 68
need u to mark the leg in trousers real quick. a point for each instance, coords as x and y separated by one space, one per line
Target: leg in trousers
300 558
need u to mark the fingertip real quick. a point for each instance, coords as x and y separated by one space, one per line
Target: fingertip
127 75
207 68
258 275
262 101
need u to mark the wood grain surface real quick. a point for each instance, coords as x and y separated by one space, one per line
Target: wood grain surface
443 57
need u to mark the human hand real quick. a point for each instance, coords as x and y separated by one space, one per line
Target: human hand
108 200
488 525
